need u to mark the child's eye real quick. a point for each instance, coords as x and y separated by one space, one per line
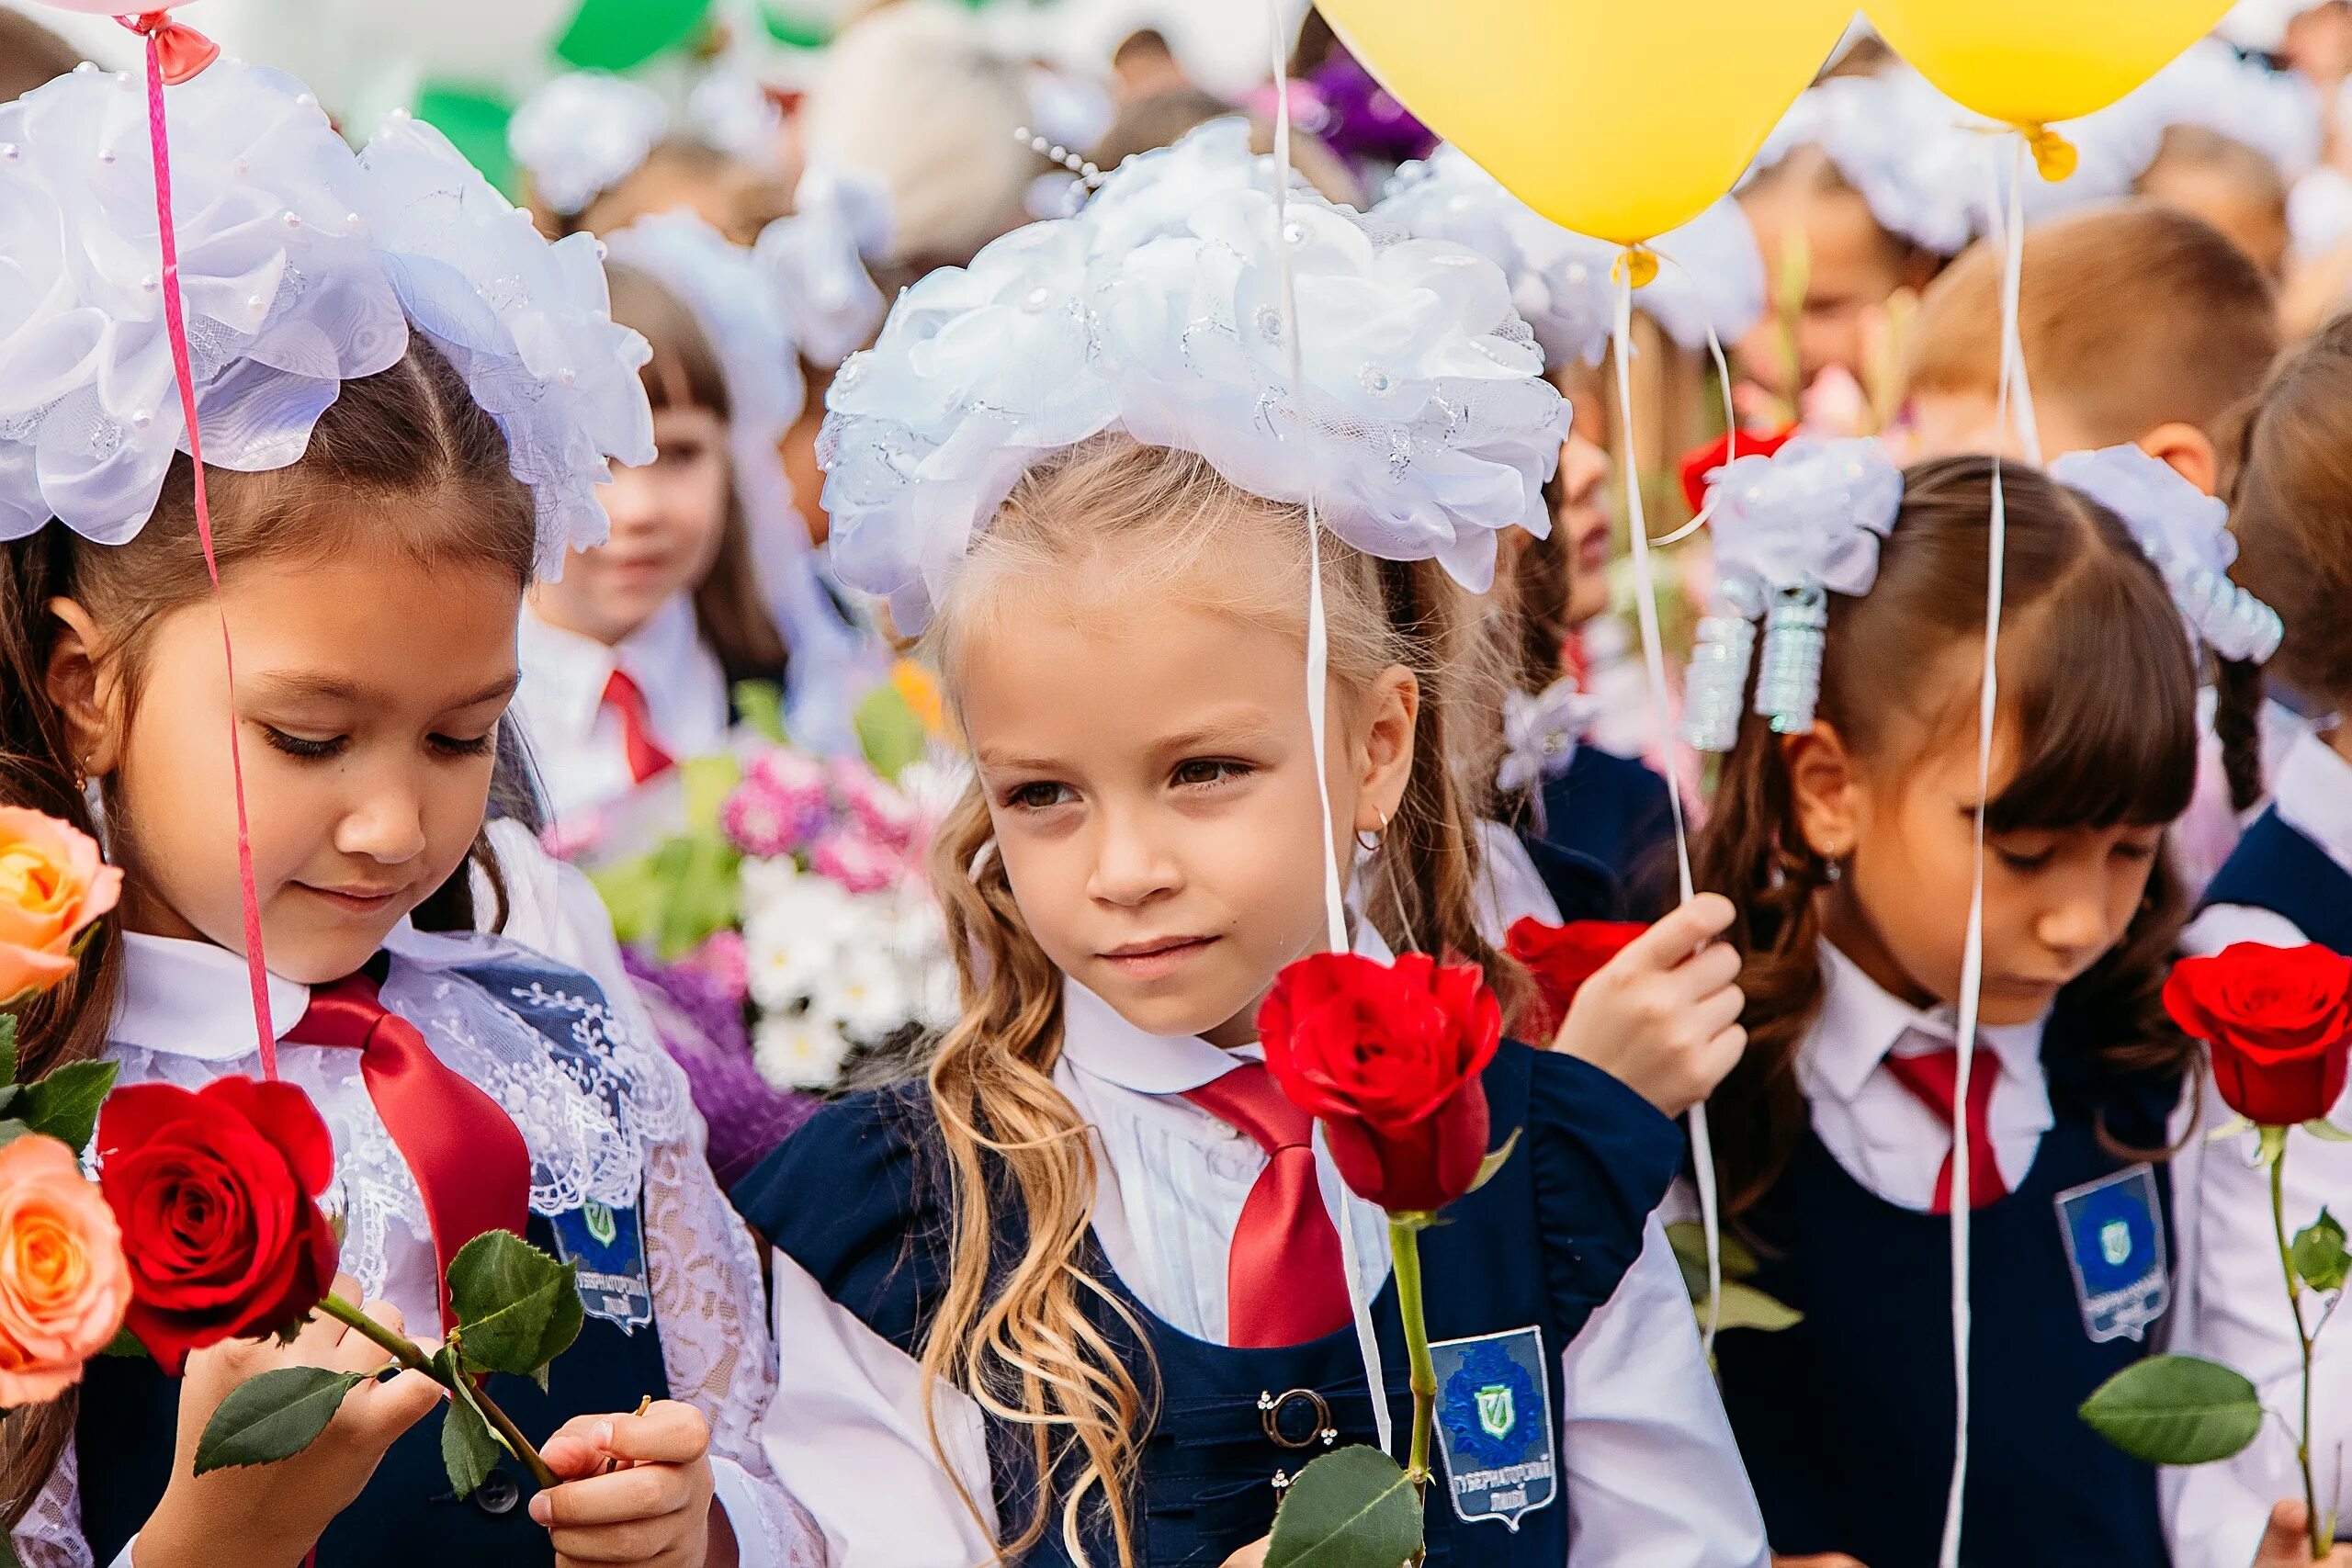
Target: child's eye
298 746
451 746
2127 850
1039 796
2019 861
1202 771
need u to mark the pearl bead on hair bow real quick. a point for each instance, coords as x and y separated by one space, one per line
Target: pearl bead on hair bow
2186 532
1789 530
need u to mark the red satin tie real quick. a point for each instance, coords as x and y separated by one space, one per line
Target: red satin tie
1931 1078
466 1153
646 758
1285 1282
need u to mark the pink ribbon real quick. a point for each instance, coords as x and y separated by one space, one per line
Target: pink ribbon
175 53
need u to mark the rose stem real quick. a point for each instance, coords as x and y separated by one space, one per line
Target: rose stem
1405 1244
410 1354
2295 1305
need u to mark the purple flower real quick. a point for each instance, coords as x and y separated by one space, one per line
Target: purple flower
779 807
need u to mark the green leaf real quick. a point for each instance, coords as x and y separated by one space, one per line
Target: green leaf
1744 1306
890 731
2328 1132
1352 1509
65 1104
517 1308
124 1343
707 782
2175 1410
1495 1160
469 1449
273 1416
2318 1253
11 1129
1688 1240
7 1047
760 706
2229 1129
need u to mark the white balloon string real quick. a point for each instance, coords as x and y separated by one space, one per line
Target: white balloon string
1972 963
1318 660
1731 413
1653 660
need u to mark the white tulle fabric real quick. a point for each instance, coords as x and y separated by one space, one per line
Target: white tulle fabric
1561 281
1936 174
284 303
817 257
302 266
1810 515
528 324
583 133
1422 426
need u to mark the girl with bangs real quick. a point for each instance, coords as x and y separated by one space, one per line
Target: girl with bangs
1844 831
631 659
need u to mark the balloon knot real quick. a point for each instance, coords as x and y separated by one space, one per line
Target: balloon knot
1637 265
2053 156
180 50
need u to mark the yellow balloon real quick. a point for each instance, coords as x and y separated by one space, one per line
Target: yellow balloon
2031 62
1617 119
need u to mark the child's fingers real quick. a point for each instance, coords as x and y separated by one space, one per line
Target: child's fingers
1716 1011
355 1351
669 1432
1708 971
572 1451
395 1404
647 1492
1681 933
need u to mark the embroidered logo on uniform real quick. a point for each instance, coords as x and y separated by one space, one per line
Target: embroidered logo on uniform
2114 1234
1494 1424
609 1247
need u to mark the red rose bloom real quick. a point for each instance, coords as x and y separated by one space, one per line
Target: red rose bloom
1561 958
1387 1057
2280 1021
216 1195
1700 461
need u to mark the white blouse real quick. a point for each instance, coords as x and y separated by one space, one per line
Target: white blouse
1652 1476
2232 1305
185 1017
576 742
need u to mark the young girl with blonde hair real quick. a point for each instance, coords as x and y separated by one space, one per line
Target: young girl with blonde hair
1092 1294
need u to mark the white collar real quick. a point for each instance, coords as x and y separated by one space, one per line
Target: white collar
1860 1023
193 998
1099 1042
2313 796
573 669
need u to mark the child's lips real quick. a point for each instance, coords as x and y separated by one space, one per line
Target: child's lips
1158 958
359 901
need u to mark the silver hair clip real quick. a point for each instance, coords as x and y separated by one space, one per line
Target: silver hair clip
1789 684
1716 688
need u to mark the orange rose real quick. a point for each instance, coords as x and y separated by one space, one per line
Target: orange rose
53 885
63 1283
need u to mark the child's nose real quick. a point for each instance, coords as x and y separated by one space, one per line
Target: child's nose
388 826
1130 864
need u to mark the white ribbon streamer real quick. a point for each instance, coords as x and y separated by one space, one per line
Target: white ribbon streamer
1703 1161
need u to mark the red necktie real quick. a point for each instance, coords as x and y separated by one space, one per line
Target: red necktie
646 758
466 1153
1931 1078
1285 1282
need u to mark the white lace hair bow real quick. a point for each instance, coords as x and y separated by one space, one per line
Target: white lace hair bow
1789 530
1423 425
840 220
583 133
302 267
1561 281
2186 532
749 323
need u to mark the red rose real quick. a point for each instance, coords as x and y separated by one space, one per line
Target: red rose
2280 1021
216 1195
1700 461
1561 958
1387 1057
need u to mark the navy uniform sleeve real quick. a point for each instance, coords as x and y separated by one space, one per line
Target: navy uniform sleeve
1602 1158
858 1198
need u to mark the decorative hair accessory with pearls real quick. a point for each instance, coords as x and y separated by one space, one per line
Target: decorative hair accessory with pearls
1788 531
302 266
2187 533
1422 424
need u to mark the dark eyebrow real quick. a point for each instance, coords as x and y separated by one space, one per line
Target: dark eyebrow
328 689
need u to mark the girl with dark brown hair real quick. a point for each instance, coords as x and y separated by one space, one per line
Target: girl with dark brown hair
1844 829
